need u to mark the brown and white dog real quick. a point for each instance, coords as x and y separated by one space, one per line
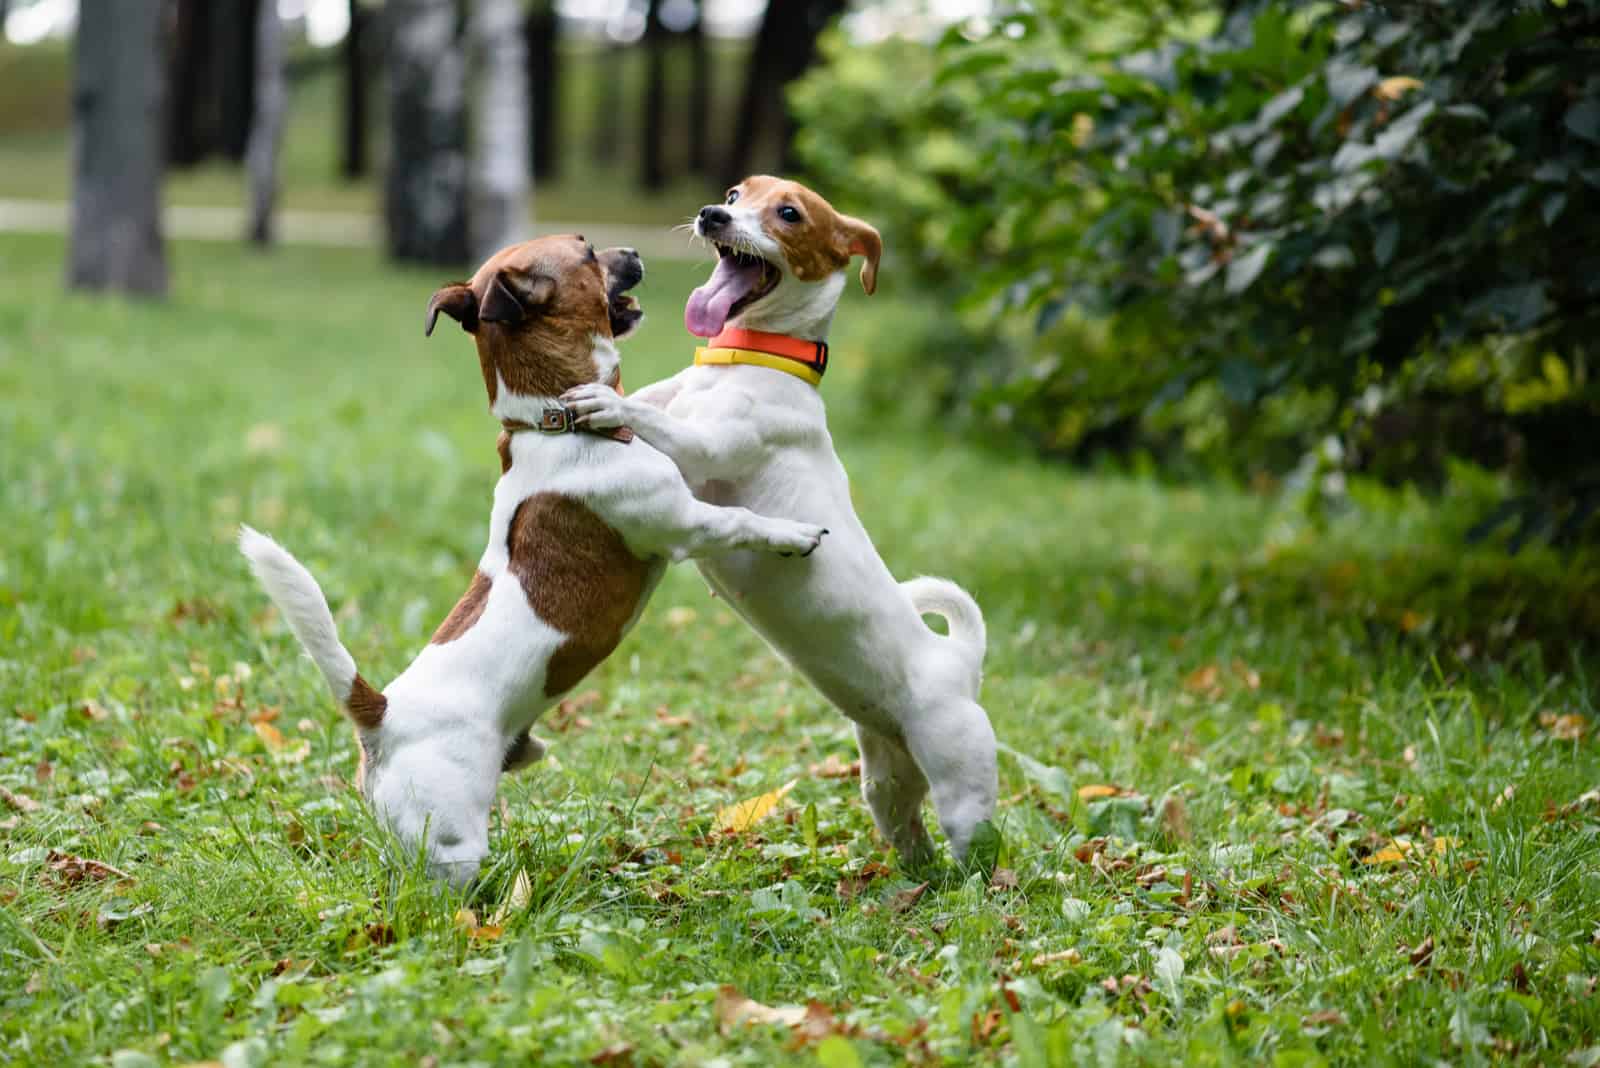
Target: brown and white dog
583 526
746 426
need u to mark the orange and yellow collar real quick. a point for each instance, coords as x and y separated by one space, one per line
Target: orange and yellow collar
806 360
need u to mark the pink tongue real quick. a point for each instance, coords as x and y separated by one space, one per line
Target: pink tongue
708 306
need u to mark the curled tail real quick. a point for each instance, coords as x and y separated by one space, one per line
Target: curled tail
300 599
944 598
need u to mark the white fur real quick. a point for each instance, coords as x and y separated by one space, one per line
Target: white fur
758 438
453 714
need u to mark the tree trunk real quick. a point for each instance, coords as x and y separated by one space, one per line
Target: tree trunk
784 48
117 150
236 83
353 161
266 128
652 165
499 206
426 189
191 65
543 89
699 94
608 103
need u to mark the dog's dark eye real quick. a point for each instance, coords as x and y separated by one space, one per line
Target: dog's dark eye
788 214
733 194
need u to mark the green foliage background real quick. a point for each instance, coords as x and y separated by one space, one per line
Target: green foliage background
1265 239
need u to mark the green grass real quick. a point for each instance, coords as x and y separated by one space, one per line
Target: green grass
35 98
1276 702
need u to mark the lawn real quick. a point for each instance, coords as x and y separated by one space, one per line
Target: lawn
1278 792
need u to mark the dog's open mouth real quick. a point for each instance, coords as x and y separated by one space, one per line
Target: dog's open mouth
740 279
623 309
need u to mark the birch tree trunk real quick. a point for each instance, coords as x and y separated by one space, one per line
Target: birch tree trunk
499 205
266 126
117 149
425 205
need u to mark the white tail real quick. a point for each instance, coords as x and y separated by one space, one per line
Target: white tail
944 598
300 599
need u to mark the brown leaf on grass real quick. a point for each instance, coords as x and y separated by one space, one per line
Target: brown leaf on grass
1003 879
984 1025
71 871
1204 680
19 802
1585 800
665 717
43 770
1062 956
1518 978
1421 954
818 1023
265 714
94 710
568 714
1173 819
852 885
907 899
1324 1018
733 1009
270 736
1087 851
834 768
466 921
1101 791
1246 674
618 1053
1570 727
516 901
746 814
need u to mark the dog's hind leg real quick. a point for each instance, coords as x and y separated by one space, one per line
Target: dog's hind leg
953 744
893 787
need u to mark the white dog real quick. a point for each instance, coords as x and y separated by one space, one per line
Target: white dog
746 427
582 529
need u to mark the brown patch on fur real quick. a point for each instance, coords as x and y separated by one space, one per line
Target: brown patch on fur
823 241
466 611
579 577
365 704
502 445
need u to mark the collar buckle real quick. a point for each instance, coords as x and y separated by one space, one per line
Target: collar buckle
557 421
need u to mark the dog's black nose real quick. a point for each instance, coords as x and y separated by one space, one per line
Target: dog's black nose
713 217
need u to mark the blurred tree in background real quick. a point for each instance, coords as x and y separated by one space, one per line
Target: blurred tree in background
1251 238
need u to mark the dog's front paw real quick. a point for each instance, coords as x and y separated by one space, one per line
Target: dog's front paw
596 405
790 538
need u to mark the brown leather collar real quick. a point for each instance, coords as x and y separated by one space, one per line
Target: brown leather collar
560 420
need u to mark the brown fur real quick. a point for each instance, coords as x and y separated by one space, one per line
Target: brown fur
365 704
502 445
823 241
579 577
466 611
561 289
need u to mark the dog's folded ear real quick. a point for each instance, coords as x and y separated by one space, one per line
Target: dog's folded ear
455 299
512 297
862 239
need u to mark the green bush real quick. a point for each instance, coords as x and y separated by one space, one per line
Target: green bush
1370 222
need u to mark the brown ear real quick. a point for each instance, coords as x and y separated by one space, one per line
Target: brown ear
861 239
511 299
455 300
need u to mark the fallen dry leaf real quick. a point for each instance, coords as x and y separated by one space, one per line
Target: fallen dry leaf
1567 728
1173 819
19 802
733 1009
665 717
906 899
1064 956
1325 1018
1421 954
1003 879
1203 680
746 814
834 768
71 870
620 1053
270 736
1099 791
516 901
